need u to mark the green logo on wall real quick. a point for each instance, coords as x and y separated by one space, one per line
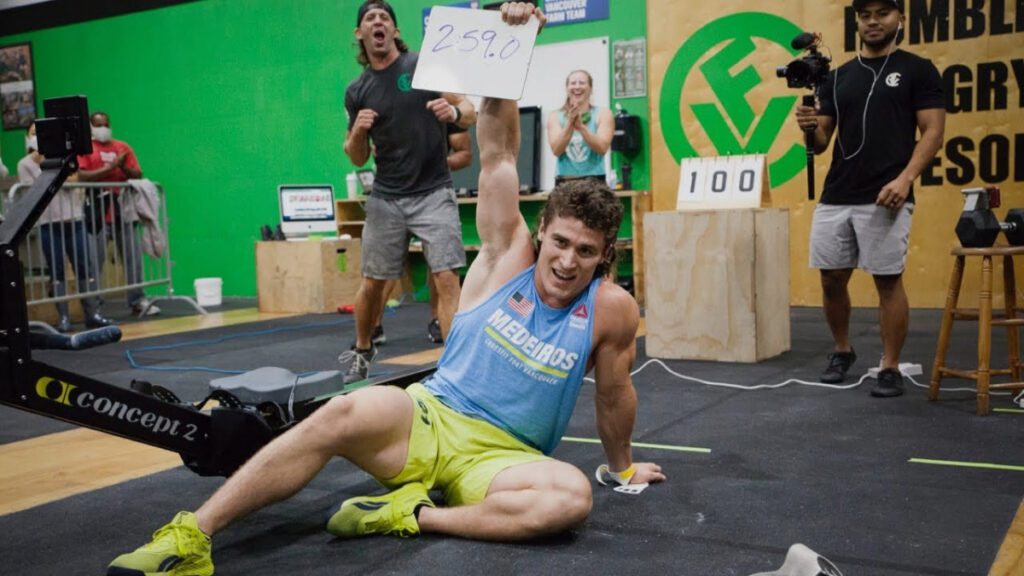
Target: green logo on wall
405 82
737 32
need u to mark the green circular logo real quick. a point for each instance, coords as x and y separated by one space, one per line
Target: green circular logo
405 82
736 32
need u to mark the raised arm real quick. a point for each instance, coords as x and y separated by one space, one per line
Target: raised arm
506 248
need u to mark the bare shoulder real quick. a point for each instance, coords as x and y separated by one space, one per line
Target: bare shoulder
616 315
492 268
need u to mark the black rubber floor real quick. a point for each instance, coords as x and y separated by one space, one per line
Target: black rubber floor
798 464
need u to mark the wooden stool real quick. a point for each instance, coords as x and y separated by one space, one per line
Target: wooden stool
983 314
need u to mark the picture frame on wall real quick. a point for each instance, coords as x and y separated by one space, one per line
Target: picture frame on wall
17 86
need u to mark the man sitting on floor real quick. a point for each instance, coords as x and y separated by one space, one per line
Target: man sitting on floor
531 323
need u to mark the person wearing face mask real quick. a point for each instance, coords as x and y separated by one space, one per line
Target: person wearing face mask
61 232
114 161
579 133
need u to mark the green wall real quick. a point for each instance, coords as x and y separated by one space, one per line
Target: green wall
224 99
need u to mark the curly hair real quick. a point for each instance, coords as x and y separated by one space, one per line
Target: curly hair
593 204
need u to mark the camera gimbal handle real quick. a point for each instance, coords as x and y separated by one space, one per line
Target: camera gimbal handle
808 100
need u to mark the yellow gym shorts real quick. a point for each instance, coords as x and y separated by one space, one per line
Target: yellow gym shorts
455 453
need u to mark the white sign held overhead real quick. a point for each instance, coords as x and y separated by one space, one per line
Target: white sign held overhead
723 182
473 52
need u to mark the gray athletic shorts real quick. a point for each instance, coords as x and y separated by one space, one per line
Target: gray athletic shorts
390 222
865 236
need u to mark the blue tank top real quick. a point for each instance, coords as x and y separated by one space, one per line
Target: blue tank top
578 159
517 363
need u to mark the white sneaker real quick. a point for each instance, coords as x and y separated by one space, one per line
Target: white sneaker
802 561
145 308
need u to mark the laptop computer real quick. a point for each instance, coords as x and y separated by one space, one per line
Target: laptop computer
306 209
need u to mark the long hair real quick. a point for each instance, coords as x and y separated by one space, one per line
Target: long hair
364 59
590 82
593 204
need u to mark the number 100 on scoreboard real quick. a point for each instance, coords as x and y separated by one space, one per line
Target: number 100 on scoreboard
723 182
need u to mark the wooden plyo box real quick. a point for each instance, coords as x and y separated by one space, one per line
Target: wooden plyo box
717 284
307 276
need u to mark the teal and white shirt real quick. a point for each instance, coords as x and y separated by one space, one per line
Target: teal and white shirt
578 159
517 363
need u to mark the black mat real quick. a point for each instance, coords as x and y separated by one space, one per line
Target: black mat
798 464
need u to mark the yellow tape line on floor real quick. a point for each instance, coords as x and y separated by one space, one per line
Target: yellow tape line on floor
643 445
986 465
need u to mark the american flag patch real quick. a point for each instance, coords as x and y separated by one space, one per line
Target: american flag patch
520 304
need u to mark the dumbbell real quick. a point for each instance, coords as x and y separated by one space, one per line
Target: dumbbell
979 228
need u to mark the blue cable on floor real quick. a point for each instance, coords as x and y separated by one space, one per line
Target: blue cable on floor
130 353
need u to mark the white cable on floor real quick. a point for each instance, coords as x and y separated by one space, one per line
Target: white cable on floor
792 381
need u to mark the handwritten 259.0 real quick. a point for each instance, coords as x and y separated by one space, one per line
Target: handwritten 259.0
486 41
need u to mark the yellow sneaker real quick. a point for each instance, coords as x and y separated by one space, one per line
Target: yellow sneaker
178 549
392 513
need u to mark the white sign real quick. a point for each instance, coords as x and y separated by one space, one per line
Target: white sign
473 52
723 182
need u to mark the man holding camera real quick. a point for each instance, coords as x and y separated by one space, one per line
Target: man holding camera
879 101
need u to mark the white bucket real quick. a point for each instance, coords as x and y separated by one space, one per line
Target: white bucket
208 291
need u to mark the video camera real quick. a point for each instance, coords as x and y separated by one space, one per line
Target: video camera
809 71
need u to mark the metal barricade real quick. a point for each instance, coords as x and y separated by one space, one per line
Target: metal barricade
97 239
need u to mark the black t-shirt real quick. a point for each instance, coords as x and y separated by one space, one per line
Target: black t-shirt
906 84
411 145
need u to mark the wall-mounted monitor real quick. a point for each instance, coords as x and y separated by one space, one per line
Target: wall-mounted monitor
465 181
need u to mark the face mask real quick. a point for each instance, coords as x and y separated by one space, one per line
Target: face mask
31 143
101 133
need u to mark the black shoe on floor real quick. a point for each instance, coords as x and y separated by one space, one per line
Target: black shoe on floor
378 336
434 332
838 365
889 384
97 321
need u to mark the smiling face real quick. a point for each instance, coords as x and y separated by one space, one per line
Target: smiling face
570 253
878 23
578 87
377 33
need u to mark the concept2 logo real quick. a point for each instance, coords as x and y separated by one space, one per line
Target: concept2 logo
737 32
71 396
